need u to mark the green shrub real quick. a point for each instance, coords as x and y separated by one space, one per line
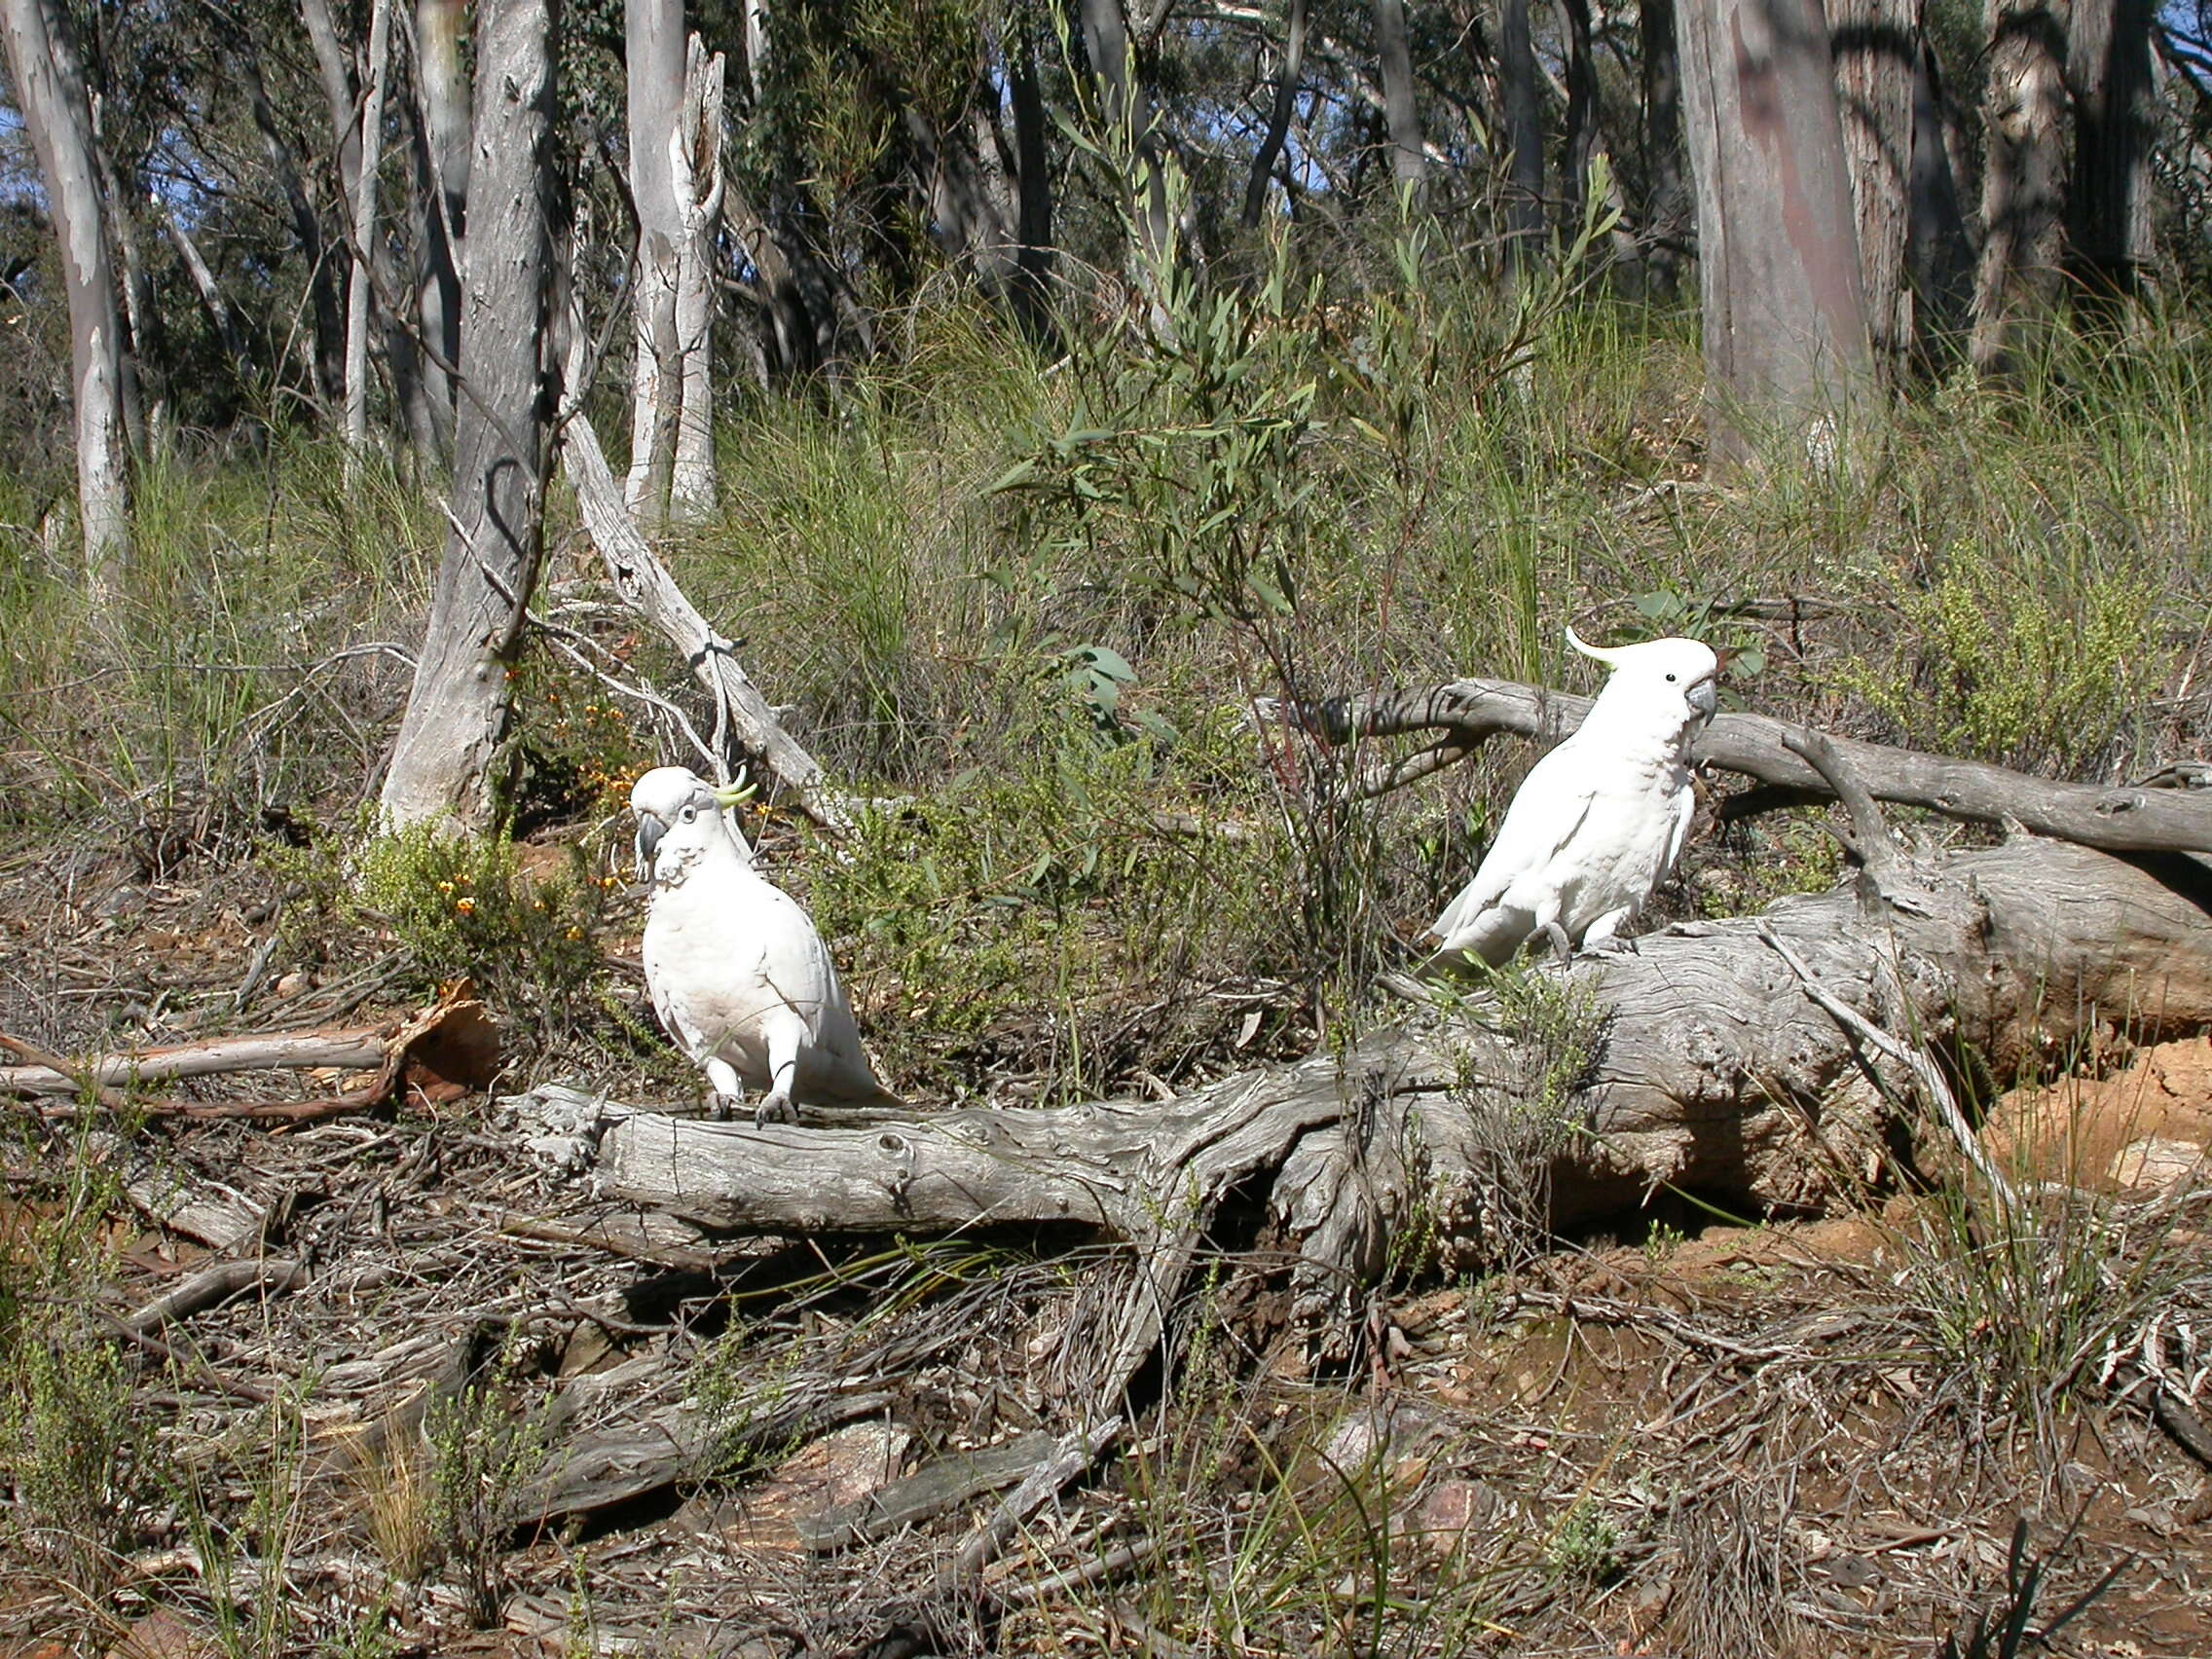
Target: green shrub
2029 674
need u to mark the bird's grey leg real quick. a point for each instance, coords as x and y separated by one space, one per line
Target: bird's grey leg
1604 932
1560 943
783 1067
729 1094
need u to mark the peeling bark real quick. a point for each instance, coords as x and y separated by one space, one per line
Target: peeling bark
2107 211
2025 114
1877 50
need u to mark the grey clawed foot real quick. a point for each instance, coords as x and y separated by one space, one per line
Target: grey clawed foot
1560 943
721 1108
775 1107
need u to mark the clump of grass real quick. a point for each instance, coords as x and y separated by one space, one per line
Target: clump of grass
74 1450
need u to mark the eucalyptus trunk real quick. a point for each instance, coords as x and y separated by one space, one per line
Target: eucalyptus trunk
1401 112
1877 45
49 91
442 93
1786 352
443 764
365 206
2026 113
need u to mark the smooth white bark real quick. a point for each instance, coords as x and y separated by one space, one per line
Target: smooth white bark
364 232
50 87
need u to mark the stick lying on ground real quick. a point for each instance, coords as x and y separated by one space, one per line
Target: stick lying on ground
445 1049
2122 820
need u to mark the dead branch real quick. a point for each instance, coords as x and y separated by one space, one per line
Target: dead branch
647 587
2120 819
217 1284
353 1049
444 1051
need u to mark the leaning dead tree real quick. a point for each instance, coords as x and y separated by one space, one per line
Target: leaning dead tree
1766 1064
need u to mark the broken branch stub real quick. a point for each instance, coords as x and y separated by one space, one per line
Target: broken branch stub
1698 1061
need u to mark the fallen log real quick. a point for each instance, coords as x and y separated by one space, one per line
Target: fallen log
1698 1061
2124 819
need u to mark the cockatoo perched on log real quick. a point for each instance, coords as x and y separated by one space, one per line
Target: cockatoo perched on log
1598 822
737 973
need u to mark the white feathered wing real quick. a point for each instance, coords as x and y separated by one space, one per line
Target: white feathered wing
1599 822
737 973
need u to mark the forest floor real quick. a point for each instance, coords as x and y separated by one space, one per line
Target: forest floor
455 1404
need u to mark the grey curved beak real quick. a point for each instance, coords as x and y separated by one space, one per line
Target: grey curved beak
649 831
1705 698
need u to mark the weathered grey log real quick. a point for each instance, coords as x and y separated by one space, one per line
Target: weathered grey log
1697 1061
2133 819
677 1443
942 1484
218 1283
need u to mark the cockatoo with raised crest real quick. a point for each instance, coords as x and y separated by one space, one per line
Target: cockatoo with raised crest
1597 824
738 974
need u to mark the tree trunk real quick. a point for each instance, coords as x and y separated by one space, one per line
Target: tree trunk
2108 212
1666 197
1134 142
1877 47
328 357
1401 112
1939 251
49 91
442 160
212 299
1279 113
2025 116
348 143
1785 342
1582 116
1033 175
457 713
699 202
1699 1063
1523 136
653 39
364 214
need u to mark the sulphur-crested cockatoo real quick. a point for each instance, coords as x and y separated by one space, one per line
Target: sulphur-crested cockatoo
1598 822
737 973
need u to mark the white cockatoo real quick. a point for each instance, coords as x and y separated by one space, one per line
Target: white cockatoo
1598 822
738 974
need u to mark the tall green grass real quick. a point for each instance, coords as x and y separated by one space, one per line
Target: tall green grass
1290 492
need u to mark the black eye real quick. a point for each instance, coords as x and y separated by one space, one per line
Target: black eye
1670 679
691 812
